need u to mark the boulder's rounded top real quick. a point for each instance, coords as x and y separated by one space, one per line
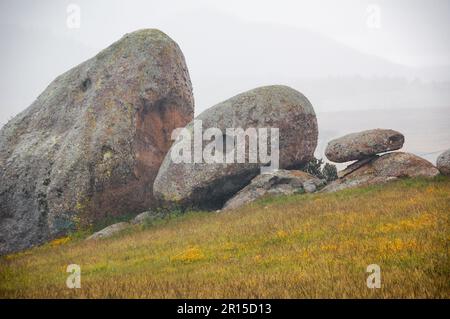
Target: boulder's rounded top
281 97
147 33
141 43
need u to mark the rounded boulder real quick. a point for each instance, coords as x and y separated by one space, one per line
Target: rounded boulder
443 163
209 185
361 145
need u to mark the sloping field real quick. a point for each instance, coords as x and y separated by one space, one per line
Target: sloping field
301 246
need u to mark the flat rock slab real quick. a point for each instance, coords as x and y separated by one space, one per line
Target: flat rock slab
148 216
142 217
354 166
361 145
281 182
109 231
385 168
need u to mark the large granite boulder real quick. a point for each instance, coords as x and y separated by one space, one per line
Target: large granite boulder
92 143
209 185
281 182
361 145
381 169
443 163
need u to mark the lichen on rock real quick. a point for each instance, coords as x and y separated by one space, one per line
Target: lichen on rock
91 144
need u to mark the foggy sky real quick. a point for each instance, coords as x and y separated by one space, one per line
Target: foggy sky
234 45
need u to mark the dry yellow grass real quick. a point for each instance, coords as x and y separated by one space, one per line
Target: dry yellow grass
302 246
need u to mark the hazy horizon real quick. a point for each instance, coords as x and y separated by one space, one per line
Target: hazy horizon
351 55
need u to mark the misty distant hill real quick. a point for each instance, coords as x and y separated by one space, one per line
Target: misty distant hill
227 56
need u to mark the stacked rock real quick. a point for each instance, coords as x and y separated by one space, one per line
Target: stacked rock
363 145
370 167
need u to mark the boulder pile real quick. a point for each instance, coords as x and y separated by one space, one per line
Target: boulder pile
370 167
99 142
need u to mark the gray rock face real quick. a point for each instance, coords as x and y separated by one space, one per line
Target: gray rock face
443 163
356 146
149 217
92 143
109 231
282 182
355 165
142 217
384 168
209 185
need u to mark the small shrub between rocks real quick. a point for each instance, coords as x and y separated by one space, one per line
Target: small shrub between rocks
327 172
313 167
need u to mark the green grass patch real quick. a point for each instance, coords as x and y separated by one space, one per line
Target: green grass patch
300 246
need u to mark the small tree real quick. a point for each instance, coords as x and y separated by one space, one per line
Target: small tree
313 167
329 172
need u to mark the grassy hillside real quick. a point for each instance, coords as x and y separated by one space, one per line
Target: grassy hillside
314 245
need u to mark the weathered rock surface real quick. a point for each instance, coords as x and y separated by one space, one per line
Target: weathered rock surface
148 216
209 185
443 163
281 182
109 231
92 143
356 146
384 168
355 165
142 217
